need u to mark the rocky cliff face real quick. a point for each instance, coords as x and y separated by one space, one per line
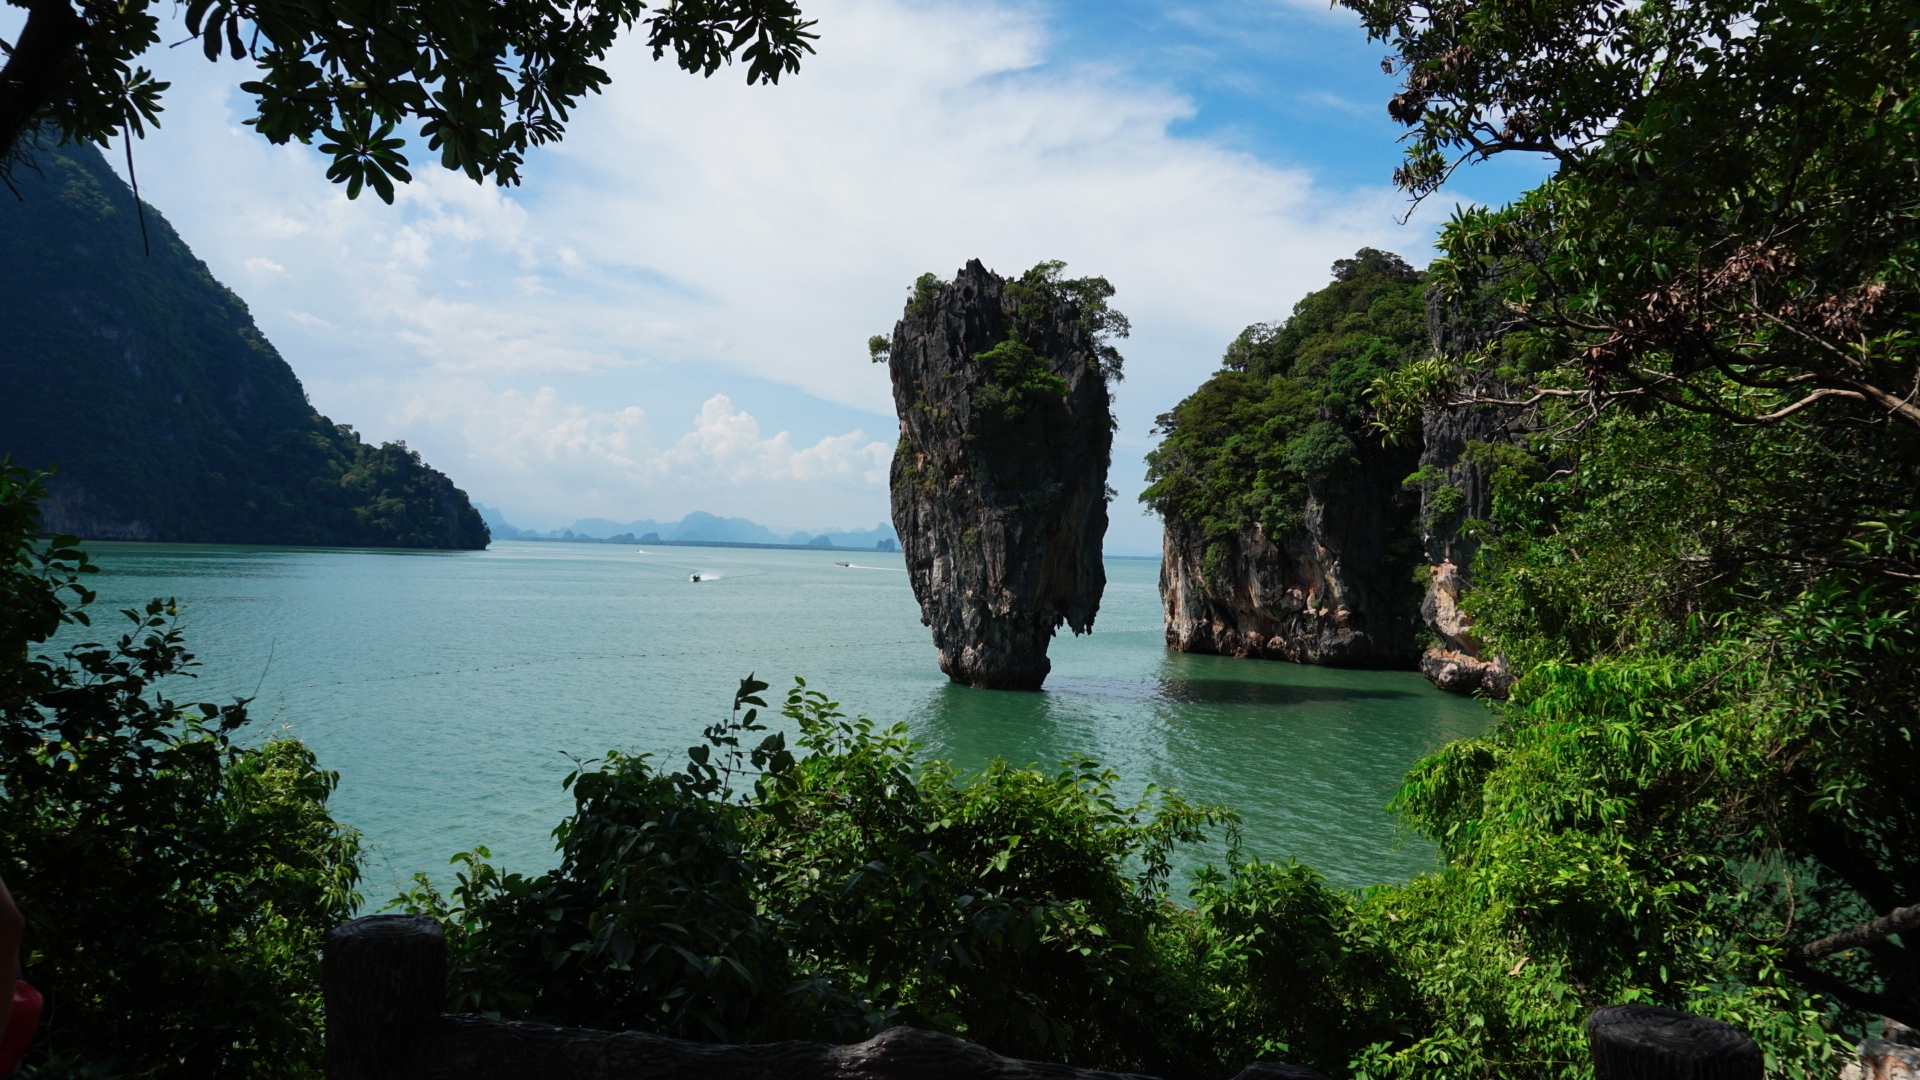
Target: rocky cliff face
1457 660
1455 490
1335 591
1288 532
1000 478
1369 568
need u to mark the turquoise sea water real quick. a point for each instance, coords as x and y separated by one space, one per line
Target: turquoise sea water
447 688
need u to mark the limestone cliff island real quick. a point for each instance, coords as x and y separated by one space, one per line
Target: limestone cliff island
999 482
1294 529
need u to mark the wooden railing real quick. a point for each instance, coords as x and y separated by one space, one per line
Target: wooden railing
385 979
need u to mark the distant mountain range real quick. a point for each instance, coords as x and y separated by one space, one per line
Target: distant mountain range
696 526
169 415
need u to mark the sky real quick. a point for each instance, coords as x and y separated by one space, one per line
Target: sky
671 313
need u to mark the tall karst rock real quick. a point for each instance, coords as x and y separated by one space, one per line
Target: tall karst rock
1000 478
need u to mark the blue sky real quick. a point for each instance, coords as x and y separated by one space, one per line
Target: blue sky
670 314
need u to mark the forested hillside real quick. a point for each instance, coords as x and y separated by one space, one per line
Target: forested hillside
168 414
1285 409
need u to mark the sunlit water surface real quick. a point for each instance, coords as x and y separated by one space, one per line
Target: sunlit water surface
449 688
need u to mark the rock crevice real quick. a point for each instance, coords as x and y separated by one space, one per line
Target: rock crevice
1459 489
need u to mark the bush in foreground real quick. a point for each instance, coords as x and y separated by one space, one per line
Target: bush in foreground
176 884
833 890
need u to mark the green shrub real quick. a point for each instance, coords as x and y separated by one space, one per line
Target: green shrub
1017 379
176 884
757 894
1709 758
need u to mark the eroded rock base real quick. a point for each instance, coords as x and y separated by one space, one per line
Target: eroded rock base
1302 600
1459 663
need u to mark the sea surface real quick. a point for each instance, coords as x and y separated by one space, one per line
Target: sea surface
452 690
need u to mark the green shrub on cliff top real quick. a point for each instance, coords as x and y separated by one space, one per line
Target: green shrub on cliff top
1016 378
1288 406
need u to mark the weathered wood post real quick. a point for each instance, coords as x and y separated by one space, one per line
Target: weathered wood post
1645 1042
384 978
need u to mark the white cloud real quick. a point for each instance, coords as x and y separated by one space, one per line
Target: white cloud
697 237
606 463
726 444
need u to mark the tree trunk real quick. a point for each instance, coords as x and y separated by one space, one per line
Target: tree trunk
41 62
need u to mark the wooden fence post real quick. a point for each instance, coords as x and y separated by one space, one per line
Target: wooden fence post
384 978
1645 1042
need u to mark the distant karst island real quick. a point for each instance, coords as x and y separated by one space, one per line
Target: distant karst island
698 527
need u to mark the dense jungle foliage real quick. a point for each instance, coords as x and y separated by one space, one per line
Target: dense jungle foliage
176 882
1287 408
1705 558
1707 766
1703 550
168 414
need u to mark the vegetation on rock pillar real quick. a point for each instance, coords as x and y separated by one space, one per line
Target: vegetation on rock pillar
1000 478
